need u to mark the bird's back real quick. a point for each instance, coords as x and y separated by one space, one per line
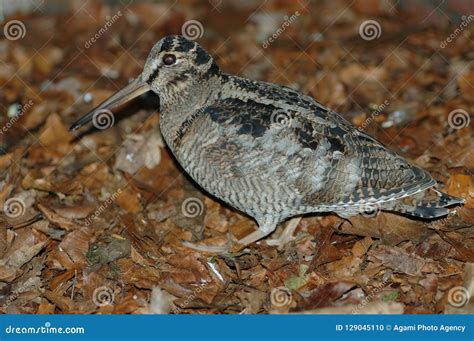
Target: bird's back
263 147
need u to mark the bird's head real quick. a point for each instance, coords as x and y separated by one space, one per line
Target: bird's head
174 65
176 62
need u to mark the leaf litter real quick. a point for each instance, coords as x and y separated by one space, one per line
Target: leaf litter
101 219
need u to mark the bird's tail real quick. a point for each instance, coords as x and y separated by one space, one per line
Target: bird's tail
428 204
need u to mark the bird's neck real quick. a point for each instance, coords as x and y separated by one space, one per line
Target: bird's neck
177 103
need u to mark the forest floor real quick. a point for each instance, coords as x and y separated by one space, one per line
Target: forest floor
94 223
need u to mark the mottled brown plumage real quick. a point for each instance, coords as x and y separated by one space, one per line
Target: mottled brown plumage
268 150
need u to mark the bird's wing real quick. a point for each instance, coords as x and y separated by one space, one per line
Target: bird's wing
320 155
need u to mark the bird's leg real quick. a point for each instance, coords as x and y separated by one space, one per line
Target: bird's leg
218 249
287 234
265 227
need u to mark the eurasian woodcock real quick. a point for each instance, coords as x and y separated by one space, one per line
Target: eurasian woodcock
268 150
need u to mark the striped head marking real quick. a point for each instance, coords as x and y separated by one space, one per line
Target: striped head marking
175 62
174 66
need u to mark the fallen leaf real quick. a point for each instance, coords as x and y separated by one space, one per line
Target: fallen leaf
398 259
54 132
326 295
25 246
57 220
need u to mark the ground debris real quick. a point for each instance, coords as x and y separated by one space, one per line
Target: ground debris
95 222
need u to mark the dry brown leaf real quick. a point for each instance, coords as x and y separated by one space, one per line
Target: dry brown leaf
461 185
390 227
129 200
188 269
399 260
141 276
364 83
54 132
139 151
252 299
45 307
58 220
463 253
324 296
64 303
135 242
26 245
75 245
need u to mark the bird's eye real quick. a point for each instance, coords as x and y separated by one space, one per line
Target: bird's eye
169 59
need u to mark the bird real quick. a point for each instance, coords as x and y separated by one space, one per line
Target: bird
268 150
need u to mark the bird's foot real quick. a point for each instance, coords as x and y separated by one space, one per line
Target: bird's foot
231 246
261 232
287 235
217 249
215 245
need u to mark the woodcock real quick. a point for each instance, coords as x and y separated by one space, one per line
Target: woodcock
268 150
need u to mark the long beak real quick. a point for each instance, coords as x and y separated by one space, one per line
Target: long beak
132 90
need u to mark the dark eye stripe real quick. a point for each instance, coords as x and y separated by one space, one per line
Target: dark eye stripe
153 76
